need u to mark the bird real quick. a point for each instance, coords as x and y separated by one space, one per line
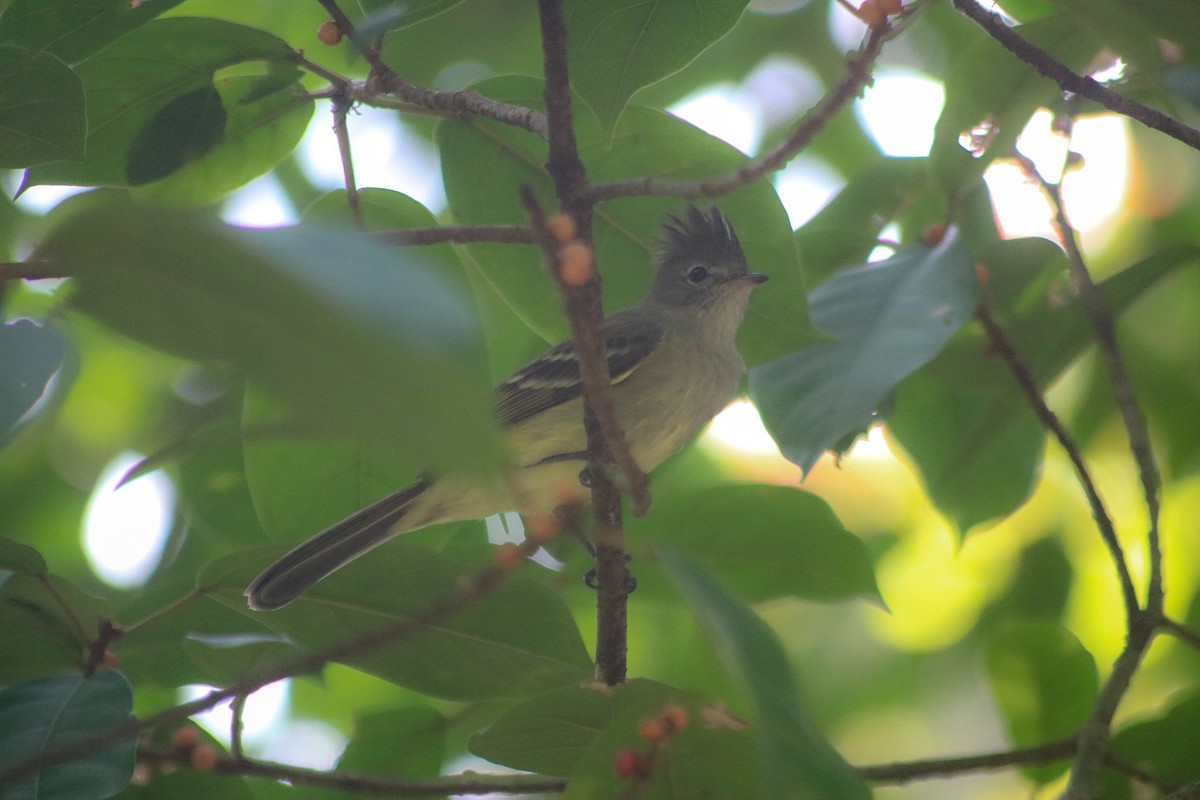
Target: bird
673 365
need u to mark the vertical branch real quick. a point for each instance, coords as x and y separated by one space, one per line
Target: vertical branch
585 314
341 107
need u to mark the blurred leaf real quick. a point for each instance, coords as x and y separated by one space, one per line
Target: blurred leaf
796 759
51 618
988 89
1184 81
404 13
1042 584
182 131
36 87
549 733
17 557
129 86
230 658
259 132
1164 746
1045 683
963 418
48 714
1121 28
74 29
284 474
889 318
330 342
763 542
847 229
626 231
30 357
517 641
403 742
614 49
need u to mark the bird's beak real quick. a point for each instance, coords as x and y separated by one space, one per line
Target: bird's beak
754 277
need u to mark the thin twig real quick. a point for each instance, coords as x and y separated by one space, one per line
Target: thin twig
29 271
1058 750
467 592
857 77
1092 746
1082 85
1003 347
165 611
458 234
237 707
361 783
338 81
1101 317
378 66
1180 632
341 107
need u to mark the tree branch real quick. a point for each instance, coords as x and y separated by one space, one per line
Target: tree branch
341 107
1180 632
360 783
606 442
1003 347
29 271
904 772
1103 324
468 591
857 77
417 98
458 234
1081 85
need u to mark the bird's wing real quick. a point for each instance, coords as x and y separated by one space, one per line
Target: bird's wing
553 377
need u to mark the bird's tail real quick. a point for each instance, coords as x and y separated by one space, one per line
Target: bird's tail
330 550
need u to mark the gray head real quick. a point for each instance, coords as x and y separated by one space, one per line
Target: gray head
701 261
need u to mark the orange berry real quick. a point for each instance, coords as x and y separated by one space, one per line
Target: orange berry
628 763
329 33
568 493
871 13
541 528
562 228
982 274
576 259
111 660
508 556
890 7
185 738
676 717
933 234
204 758
653 731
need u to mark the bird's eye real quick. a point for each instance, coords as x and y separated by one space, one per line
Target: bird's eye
697 274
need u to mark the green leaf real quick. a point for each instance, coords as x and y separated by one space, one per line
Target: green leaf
49 714
988 87
259 132
74 29
405 742
614 48
1122 29
17 557
484 164
794 545
518 640
847 229
796 759
30 356
549 733
889 319
34 89
1164 746
329 321
402 15
51 618
1045 683
130 86
963 418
